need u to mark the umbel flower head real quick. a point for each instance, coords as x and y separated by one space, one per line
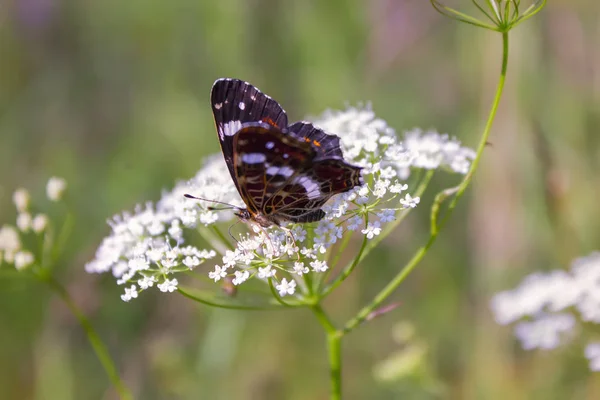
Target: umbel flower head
16 249
150 246
546 306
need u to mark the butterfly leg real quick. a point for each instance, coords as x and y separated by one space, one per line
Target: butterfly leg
290 234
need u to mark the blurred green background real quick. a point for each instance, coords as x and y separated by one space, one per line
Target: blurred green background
113 96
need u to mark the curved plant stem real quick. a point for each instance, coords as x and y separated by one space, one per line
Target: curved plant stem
97 344
364 313
334 350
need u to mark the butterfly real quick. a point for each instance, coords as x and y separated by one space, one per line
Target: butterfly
283 173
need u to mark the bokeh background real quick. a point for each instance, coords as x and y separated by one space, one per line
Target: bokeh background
113 96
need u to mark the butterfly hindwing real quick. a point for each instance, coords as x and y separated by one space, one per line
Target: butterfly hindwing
282 177
326 145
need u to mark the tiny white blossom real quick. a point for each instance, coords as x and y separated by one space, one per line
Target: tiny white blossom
373 229
300 268
21 199
380 188
191 262
319 266
39 223
130 293
410 202
592 353
398 187
545 332
23 259
9 239
354 223
286 288
387 215
168 285
24 221
218 273
146 282
55 188
240 277
266 272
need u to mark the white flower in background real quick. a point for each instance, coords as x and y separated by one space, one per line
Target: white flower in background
23 259
21 199
10 241
55 188
549 302
592 353
39 223
150 242
24 221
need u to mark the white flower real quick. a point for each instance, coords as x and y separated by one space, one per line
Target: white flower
410 202
380 188
319 266
592 353
39 223
373 229
24 221
9 239
191 262
21 199
266 272
386 215
398 187
55 188
218 273
354 223
286 288
240 277
300 268
545 332
168 286
23 259
130 293
431 150
146 282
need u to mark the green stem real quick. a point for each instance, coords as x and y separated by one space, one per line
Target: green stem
334 350
364 313
97 344
350 267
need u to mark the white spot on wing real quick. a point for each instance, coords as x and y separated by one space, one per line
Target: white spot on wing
242 105
283 171
218 106
311 187
270 145
231 128
253 158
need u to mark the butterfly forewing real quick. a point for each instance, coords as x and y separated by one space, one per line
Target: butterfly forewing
235 102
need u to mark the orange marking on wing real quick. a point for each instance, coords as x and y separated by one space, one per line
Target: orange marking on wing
316 143
269 121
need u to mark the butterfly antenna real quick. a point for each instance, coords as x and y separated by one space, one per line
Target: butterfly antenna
189 196
229 231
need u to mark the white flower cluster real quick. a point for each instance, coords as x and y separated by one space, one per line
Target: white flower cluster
548 302
149 245
12 250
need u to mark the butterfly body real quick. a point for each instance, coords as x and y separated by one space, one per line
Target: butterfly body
283 173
